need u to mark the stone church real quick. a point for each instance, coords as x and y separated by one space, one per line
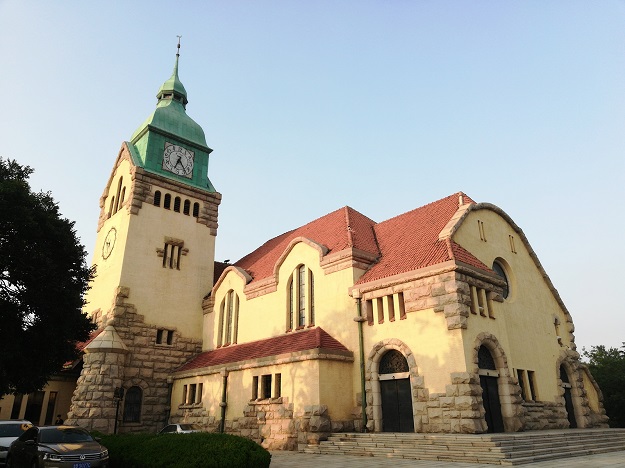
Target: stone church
441 319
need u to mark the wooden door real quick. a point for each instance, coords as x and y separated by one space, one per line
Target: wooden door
396 406
492 405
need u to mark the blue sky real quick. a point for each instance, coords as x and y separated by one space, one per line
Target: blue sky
380 105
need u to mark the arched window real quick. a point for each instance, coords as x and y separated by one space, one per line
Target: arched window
119 188
112 207
501 272
228 319
301 307
157 198
187 207
485 359
132 404
393 362
167 202
122 197
196 209
177 204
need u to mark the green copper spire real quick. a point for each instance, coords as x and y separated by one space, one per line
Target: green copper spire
173 88
169 124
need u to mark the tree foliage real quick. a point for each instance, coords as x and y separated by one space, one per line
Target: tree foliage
608 368
43 277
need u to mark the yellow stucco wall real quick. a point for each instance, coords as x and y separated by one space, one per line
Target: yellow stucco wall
524 322
167 297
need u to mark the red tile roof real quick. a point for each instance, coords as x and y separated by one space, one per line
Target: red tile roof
404 243
410 241
338 230
312 338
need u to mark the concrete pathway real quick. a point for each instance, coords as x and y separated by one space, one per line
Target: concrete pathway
306 460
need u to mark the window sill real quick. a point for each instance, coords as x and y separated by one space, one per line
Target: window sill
261 401
190 406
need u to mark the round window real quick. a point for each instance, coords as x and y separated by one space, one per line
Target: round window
498 268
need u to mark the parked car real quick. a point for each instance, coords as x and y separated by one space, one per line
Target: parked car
180 429
10 430
57 447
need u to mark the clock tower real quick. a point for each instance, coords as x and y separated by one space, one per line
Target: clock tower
154 261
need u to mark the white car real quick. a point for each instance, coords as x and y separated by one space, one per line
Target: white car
180 429
10 430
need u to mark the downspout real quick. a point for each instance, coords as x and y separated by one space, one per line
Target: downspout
223 404
360 319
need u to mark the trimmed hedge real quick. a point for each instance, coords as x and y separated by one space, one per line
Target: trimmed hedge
198 449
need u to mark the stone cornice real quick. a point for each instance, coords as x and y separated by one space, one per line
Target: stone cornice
350 257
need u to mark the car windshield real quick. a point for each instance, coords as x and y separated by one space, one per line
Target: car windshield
189 427
64 435
12 429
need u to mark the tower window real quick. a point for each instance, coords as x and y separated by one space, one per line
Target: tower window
167 202
112 206
157 198
187 207
196 210
132 404
177 204
172 251
164 337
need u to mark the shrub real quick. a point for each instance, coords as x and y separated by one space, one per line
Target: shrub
198 449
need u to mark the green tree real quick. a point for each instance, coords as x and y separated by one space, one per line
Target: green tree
608 368
43 278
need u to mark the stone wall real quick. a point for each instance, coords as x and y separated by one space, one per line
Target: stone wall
146 365
541 415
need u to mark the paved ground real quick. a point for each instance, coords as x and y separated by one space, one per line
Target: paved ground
305 460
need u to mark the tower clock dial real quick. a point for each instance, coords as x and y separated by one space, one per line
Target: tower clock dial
178 160
109 243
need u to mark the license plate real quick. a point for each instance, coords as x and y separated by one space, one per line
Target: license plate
82 465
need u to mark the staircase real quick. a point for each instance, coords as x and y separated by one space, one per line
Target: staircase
498 449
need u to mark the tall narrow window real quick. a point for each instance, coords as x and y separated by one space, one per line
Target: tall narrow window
172 252
265 384
200 389
187 207
379 305
34 405
17 405
402 306
196 210
255 387
191 395
301 295
291 301
228 319
112 206
277 393
167 202
119 189
311 322
177 204
50 409
132 404
157 198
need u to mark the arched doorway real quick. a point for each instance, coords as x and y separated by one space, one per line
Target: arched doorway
395 393
490 390
568 397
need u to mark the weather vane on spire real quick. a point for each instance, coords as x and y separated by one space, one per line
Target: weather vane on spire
178 51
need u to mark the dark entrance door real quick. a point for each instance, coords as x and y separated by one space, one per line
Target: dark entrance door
568 398
492 406
396 406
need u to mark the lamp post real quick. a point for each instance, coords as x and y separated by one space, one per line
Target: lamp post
118 396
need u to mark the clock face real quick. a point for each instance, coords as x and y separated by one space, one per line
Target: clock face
109 243
178 160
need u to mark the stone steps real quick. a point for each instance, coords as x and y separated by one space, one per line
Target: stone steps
499 449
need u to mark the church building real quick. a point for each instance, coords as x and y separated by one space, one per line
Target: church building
439 320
